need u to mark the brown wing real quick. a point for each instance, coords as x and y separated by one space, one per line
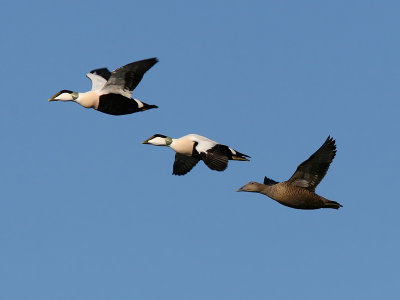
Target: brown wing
310 172
183 164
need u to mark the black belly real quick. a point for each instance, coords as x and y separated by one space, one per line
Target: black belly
115 104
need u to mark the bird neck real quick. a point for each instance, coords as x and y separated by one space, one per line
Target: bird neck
168 140
267 190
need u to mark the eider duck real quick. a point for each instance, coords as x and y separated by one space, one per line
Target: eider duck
111 91
299 191
192 148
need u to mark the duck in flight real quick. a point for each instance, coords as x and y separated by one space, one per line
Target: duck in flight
299 191
192 148
111 91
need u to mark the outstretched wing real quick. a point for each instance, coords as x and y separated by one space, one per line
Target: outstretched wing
310 172
99 78
125 79
183 164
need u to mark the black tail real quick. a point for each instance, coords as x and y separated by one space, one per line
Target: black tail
332 204
148 106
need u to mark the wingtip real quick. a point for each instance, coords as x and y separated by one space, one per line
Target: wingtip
153 59
330 139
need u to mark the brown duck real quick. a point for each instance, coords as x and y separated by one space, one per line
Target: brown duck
299 191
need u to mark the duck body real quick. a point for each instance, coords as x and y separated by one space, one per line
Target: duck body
111 91
299 191
292 196
192 148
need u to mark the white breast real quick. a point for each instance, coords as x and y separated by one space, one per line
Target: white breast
89 99
184 146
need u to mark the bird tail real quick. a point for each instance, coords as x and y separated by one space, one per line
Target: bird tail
148 106
239 156
332 204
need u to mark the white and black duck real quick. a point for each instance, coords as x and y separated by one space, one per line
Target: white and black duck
111 91
192 148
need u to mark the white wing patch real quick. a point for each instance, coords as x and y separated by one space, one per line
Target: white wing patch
204 144
97 81
233 151
140 103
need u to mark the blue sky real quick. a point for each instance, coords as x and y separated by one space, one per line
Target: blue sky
88 212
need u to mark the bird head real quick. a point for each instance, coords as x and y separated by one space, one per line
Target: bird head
252 186
65 95
158 140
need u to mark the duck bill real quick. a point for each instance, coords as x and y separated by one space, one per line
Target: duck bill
55 96
146 141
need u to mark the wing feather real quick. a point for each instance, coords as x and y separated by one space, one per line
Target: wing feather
216 157
183 164
310 172
125 79
99 78
269 181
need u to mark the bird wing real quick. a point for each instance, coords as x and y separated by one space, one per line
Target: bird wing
216 158
310 172
99 78
269 181
125 79
183 164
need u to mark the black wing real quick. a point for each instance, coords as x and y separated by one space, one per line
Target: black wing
103 72
268 181
183 164
216 158
310 172
125 79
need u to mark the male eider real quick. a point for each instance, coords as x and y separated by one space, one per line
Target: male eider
192 148
299 191
111 91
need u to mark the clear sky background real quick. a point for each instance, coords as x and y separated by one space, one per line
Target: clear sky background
88 212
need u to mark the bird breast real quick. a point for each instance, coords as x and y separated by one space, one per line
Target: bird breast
89 99
183 146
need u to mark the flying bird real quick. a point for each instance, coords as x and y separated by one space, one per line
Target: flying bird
299 191
192 148
111 91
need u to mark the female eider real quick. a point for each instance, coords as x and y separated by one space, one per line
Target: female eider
299 191
192 148
111 91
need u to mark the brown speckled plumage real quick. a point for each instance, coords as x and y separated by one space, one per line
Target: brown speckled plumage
299 191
